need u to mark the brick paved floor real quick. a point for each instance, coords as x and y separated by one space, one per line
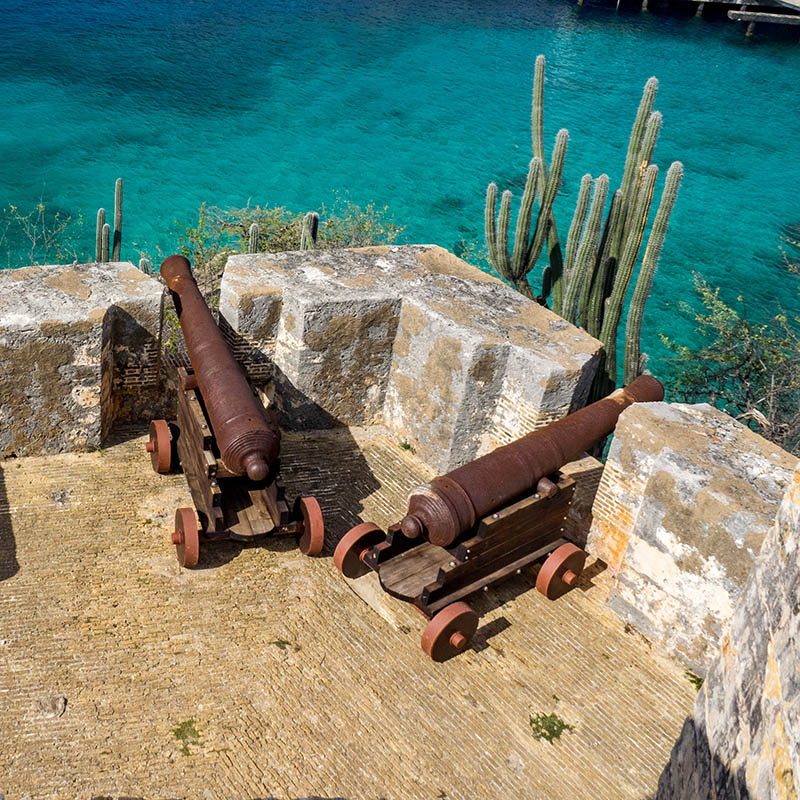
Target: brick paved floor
294 686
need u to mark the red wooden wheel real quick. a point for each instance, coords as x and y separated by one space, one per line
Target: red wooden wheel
449 632
186 537
312 537
160 445
352 547
561 570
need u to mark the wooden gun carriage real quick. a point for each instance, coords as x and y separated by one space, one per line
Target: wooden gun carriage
486 520
225 441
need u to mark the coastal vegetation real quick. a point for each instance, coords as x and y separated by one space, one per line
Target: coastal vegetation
749 369
39 236
587 283
219 232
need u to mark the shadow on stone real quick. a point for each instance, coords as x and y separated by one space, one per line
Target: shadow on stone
595 568
8 548
695 773
138 381
480 641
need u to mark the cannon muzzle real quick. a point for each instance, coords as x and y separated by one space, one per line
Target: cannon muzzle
248 443
451 504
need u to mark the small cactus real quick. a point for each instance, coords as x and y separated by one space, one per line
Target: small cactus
105 237
309 231
252 243
98 244
117 248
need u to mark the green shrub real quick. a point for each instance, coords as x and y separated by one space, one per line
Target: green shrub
220 232
749 369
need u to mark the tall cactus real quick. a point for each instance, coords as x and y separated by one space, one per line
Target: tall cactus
527 246
252 242
117 248
309 231
581 274
98 239
606 378
634 363
589 283
573 241
555 266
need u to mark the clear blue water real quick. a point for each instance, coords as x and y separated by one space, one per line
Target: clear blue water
413 104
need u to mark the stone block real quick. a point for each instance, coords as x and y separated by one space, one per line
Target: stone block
78 347
750 697
686 499
450 358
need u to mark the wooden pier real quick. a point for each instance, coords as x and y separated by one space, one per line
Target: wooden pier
773 12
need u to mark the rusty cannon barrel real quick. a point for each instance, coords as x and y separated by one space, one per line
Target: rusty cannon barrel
247 442
451 504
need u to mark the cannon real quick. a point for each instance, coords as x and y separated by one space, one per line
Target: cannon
225 440
485 520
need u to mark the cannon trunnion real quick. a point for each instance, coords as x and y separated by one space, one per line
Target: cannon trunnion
226 443
486 520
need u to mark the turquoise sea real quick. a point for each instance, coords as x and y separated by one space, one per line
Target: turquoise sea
412 104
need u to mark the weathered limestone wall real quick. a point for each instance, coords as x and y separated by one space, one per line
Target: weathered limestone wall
78 348
449 357
686 499
743 742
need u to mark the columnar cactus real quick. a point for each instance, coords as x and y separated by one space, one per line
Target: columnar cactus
117 248
581 275
309 231
527 247
252 244
98 240
573 240
634 361
606 378
590 281
104 240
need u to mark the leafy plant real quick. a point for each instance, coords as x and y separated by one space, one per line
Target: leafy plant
40 236
695 680
548 726
749 369
187 734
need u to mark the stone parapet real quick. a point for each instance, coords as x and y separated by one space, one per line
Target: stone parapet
450 358
743 741
78 351
686 499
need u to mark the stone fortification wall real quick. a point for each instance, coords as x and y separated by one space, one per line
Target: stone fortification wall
449 357
743 741
686 499
78 349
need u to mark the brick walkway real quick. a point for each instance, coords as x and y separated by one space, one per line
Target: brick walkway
281 681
